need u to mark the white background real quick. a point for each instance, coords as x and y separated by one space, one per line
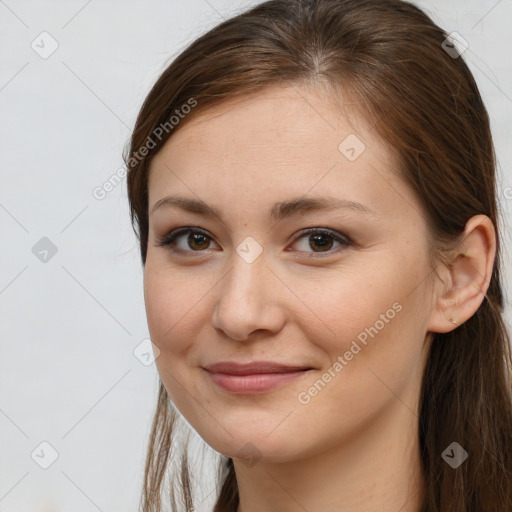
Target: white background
68 375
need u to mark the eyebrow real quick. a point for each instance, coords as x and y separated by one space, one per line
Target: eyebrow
279 210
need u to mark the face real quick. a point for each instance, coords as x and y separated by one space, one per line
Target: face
342 290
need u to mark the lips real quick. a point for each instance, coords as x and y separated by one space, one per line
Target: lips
257 367
255 377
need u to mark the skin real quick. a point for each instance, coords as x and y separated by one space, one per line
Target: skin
354 445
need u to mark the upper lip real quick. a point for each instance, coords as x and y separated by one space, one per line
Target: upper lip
234 368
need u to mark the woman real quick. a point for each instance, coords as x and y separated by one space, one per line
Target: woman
313 187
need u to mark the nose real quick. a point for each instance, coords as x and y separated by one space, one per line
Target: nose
247 301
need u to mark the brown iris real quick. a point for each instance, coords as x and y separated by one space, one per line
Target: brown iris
195 237
320 240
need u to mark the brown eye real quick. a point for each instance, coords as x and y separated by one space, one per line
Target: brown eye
196 241
322 241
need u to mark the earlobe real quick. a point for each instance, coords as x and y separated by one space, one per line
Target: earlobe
469 275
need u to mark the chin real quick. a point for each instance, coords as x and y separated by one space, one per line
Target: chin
256 446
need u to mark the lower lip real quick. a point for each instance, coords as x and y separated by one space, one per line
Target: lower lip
254 383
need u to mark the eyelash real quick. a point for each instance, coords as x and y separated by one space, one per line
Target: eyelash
169 239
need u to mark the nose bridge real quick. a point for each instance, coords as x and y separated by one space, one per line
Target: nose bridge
245 301
249 265
243 293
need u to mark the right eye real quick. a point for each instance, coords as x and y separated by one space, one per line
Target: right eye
197 238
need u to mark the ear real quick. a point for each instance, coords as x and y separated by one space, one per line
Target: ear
466 279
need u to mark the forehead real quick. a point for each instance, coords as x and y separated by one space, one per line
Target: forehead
269 122
279 143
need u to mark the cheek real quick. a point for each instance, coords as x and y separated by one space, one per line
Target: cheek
169 309
374 342
343 303
171 323
373 356
368 318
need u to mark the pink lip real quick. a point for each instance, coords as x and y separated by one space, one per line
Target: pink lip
254 377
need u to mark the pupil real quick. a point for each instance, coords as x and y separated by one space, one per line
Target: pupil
320 240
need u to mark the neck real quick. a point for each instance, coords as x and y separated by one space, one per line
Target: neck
376 470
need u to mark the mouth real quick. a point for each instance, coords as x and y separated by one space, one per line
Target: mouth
257 377
256 367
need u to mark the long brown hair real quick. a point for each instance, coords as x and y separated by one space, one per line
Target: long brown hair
423 101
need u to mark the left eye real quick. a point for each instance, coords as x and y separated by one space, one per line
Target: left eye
198 240
324 239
